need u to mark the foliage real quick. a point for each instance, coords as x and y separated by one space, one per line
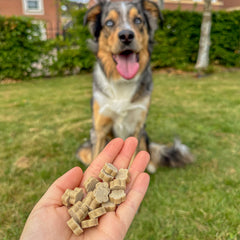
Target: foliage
20 47
177 43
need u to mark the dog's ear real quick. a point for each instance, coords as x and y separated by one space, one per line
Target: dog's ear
93 19
152 14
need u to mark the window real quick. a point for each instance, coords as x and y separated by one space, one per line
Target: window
34 7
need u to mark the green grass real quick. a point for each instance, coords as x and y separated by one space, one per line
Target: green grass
42 123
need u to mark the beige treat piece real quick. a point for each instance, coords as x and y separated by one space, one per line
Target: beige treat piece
93 205
101 194
97 212
117 196
66 197
123 174
89 223
109 206
88 199
74 208
77 230
90 184
118 184
105 176
110 169
79 215
76 195
102 185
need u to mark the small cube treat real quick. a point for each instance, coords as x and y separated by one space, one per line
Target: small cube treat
123 174
105 176
109 206
117 196
102 197
90 184
89 223
110 169
77 230
97 212
76 195
118 184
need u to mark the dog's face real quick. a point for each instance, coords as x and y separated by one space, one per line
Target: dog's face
124 32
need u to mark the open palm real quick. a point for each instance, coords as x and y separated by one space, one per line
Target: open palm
48 218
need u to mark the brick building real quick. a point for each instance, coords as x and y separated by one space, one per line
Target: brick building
46 13
197 5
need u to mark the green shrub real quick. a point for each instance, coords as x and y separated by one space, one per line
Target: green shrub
73 52
20 47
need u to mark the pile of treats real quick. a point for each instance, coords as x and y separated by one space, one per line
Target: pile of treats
102 197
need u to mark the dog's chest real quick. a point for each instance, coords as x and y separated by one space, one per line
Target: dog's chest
115 101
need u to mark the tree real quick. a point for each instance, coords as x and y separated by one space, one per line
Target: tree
205 42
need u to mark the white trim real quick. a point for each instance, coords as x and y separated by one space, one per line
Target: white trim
27 11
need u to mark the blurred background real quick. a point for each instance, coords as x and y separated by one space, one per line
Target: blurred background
45 112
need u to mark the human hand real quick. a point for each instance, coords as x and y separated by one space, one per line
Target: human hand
48 219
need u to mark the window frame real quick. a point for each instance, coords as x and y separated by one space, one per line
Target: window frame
27 11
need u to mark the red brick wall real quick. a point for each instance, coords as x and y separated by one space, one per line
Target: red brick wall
189 7
231 3
15 7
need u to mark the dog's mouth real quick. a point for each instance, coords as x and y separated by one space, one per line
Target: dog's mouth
127 63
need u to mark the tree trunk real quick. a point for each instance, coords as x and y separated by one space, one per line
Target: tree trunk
204 43
161 4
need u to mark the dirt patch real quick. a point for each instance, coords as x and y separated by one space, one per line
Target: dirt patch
22 162
9 81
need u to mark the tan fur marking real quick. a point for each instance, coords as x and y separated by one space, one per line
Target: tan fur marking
152 8
100 121
102 125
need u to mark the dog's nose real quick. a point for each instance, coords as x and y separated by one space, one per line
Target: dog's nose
126 36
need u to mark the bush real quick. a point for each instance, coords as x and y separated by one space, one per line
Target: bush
73 53
20 47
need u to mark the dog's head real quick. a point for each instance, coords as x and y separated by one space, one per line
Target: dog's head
123 32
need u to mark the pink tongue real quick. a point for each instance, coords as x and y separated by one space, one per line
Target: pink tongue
127 65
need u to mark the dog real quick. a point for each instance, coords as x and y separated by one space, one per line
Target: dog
123 37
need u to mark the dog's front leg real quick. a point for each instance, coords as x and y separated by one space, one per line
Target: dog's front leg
102 126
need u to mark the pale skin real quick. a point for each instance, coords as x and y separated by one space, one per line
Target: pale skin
49 216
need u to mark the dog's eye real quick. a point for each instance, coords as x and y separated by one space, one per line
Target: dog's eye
137 20
109 23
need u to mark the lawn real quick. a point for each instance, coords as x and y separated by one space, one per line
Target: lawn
42 123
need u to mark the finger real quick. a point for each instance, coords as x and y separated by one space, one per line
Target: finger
108 155
139 165
70 179
125 156
127 210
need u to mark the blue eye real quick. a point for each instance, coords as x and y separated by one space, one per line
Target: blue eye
137 20
109 23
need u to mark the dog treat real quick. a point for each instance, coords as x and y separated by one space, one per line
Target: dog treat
89 223
102 197
74 226
109 206
80 215
76 195
105 176
94 204
88 199
118 184
102 185
90 184
97 212
123 174
117 196
110 169
101 194
74 208
66 198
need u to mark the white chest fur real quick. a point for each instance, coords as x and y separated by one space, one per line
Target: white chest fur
114 100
